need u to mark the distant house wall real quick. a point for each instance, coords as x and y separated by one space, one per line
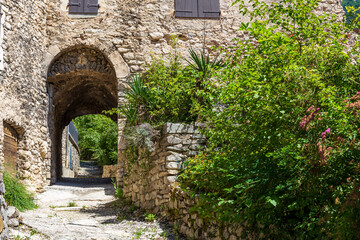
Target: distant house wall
70 151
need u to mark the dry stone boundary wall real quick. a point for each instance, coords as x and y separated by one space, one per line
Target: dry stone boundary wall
151 183
147 181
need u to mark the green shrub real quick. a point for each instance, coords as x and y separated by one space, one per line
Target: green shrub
97 138
150 217
164 93
172 91
118 190
16 194
283 128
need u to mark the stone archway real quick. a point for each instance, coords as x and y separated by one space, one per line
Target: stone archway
81 81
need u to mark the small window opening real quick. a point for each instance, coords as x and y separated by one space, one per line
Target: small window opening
83 6
197 8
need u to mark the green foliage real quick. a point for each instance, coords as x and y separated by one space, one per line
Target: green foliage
172 89
351 7
97 138
118 190
202 64
164 93
71 204
150 217
16 194
282 122
139 232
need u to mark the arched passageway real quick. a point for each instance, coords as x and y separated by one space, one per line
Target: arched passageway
81 81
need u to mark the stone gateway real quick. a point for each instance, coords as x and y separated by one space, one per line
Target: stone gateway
60 59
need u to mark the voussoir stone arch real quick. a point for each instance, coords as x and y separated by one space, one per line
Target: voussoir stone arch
82 79
117 62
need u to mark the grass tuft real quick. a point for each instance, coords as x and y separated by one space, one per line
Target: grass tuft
16 194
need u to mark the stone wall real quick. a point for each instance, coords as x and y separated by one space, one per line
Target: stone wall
148 178
23 98
189 223
110 171
4 230
129 33
70 149
150 182
23 92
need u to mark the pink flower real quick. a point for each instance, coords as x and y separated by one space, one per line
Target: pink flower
307 119
323 135
310 109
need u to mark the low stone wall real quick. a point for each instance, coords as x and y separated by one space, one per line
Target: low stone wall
4 231
150 181
109 171
147 181
189 223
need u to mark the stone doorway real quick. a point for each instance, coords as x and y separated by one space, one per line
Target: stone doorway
81 81
11 138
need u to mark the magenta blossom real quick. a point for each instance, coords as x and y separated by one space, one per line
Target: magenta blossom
323 135
307 119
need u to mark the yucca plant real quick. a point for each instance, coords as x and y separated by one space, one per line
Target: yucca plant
202 63
130 112
137 91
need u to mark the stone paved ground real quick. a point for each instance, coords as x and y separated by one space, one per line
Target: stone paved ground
85 212
89 169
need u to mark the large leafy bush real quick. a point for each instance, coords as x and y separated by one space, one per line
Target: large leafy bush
97 138
283 128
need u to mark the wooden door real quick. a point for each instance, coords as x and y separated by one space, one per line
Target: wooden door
10 148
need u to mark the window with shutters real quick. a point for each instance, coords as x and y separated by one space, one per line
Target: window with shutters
197 8
83 6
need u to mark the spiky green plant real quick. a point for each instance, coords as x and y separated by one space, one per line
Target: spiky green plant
202 63
130 111
137 91
16 193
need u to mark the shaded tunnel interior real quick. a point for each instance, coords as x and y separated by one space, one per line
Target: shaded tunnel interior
81 81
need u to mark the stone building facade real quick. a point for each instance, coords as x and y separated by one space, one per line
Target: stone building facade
70 152
55 66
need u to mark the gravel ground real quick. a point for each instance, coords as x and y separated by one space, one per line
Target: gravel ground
89 212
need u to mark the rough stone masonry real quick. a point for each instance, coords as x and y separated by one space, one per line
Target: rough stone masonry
100 52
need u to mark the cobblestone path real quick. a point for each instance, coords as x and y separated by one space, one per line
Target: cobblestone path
87 212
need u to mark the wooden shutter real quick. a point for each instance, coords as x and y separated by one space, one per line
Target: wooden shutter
91 6
209 8
186 8
76 6
10 148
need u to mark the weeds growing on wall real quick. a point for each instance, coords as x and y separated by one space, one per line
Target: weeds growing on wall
16 194
283 126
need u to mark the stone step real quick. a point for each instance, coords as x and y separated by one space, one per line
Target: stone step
85 180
